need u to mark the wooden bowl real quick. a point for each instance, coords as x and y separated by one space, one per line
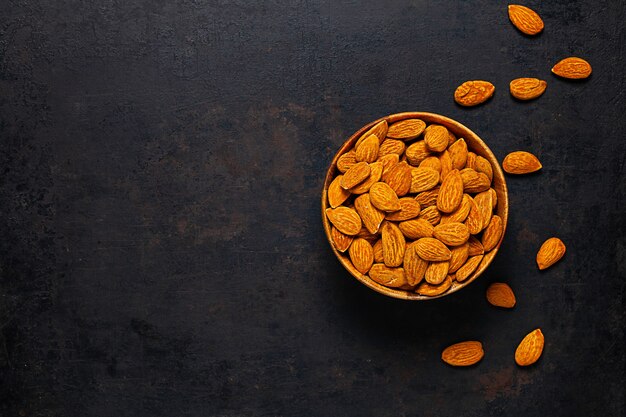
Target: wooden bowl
476 145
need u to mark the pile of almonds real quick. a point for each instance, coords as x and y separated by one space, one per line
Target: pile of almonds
413 207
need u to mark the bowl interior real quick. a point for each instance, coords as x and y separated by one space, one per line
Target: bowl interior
476 145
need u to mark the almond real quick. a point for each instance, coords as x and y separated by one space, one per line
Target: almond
472 93
383 197
458 154
436 138
423 179
446 164
414 266
436 272
431 290
492 233
399 178
345 219
371 217
474 220
389 277
468 268
459 255
362 255
417 152
451 192
463 353
474 182
390 146
527 88
388 162
500 294
451 234
428 198
483 166
475 247
394 244
346 161
431 214
367 235
494 197
525 19
406 129
367 151
451 138
460 214
431 162
521 162
355 175
573 68
471 160
484 203
409 209
430 249
550 252
530 348
379 129
416 228
340 241
376 171
378 251
336 194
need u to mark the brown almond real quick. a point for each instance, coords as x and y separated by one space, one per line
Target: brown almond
388 162
500 294
346 161
355 175
431 249
379 129
436 138
409 209
336 194
494 197
428 198
471 160
459 255
527 88
362 255
468 268
573 68
521 162
367 151
340 241
483 166
460 214
451 192
492 233
345 219
417 152
451 138
473 93
423 179
390 146
406 129
378 251
436 272
451 234
372 217
367 235
399 178
463 353
389 277
446 164
416 228
526 20
431 290
550 252
394 244
414 266
383 197
530 348
431 162
485 207
475 247
474 221
474 182
458 154
430 214
376 171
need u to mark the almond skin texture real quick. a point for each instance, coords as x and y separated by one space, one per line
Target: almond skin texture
367 151
394 244
346 161
431 162
384 198
483 166
474 222
409 210
475 247
521 162
431 290
389 277
388 162
378 251
473 93
527 88
437 272
436 138
445 160
485 207
492 233
423 179
346 220
379 129
460 214
355 175
451 192
530 348
371 217
430 214
430 249
459 257
342 242
452 234
414 266
361 254
458 154
550 253
468 268
473 181
428 198
463 353
573 68
406 129
500 294
390 146
336 194
417 152
525 19
416 228
376 171
399 178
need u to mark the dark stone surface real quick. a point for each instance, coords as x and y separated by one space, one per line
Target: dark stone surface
162 252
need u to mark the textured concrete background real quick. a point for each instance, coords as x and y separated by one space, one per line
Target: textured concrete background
162 252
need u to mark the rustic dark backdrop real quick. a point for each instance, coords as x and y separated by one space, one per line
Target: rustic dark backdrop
161 249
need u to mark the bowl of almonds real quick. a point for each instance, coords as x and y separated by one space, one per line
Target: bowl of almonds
415 205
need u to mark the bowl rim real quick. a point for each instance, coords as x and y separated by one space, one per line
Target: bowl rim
502 208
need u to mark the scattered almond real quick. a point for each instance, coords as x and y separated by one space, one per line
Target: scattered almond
500 294
525 19
530 348
550 252
521 162
573 68
463 353
527 88
473 93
